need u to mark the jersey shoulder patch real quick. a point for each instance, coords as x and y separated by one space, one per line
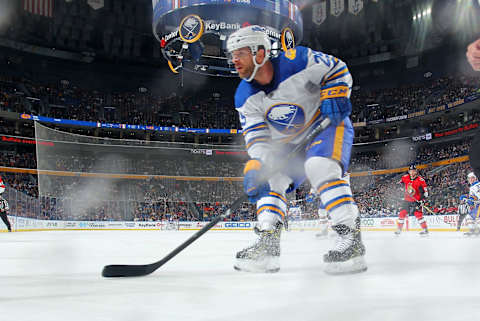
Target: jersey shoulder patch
244 91
296 59
286 65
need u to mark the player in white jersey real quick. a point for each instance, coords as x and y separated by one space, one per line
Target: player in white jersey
279 101
322 212
473 199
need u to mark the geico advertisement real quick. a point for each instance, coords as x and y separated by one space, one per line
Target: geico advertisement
219 226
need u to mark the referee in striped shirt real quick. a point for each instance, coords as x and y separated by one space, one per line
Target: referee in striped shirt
463 210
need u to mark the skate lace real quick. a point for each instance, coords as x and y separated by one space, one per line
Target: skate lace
343 242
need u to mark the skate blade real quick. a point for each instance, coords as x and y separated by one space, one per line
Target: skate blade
265 265
352 266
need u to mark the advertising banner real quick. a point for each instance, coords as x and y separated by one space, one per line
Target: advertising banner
439 223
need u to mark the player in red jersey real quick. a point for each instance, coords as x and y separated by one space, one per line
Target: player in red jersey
415 192
2 186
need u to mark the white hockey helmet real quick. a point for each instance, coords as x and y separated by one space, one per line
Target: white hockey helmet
253 37
472 177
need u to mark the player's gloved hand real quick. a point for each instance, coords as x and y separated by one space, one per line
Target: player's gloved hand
425 194
335 102
470 201
253 187
310 197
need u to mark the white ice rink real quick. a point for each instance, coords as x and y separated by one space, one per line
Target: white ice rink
56 276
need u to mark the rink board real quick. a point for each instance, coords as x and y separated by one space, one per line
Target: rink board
441 223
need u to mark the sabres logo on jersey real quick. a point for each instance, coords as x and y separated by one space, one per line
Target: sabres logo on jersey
286 118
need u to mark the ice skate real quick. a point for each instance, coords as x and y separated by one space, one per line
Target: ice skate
263 255
323 234
398 232
473 232
424 233
348 254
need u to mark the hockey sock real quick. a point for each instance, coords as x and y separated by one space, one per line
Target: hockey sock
401 218
460 221
5 220
271 209
336 196
421 220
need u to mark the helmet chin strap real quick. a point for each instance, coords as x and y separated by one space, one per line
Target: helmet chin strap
256 67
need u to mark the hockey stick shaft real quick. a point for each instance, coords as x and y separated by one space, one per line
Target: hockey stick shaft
141 270
428 209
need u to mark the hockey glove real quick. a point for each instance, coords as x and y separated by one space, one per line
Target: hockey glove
471 201
310 197
335 102
254 188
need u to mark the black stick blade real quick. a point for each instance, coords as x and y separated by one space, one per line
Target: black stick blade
116 271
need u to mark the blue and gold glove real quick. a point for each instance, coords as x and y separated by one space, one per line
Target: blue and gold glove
335 102
251 184
310 197
467 199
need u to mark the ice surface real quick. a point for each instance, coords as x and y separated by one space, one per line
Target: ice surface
56 276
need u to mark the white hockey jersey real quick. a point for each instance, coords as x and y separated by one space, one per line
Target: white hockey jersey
475 191
283 110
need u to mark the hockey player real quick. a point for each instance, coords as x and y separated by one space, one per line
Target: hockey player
279 101
4 208
415 192
2 186
473 198
473 54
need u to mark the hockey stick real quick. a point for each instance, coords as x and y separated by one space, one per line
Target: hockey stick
426 207
145 269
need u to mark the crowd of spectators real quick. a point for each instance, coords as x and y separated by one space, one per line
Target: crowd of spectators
390 102
169 198
406 153
382 195
211 110
66 101
177 198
